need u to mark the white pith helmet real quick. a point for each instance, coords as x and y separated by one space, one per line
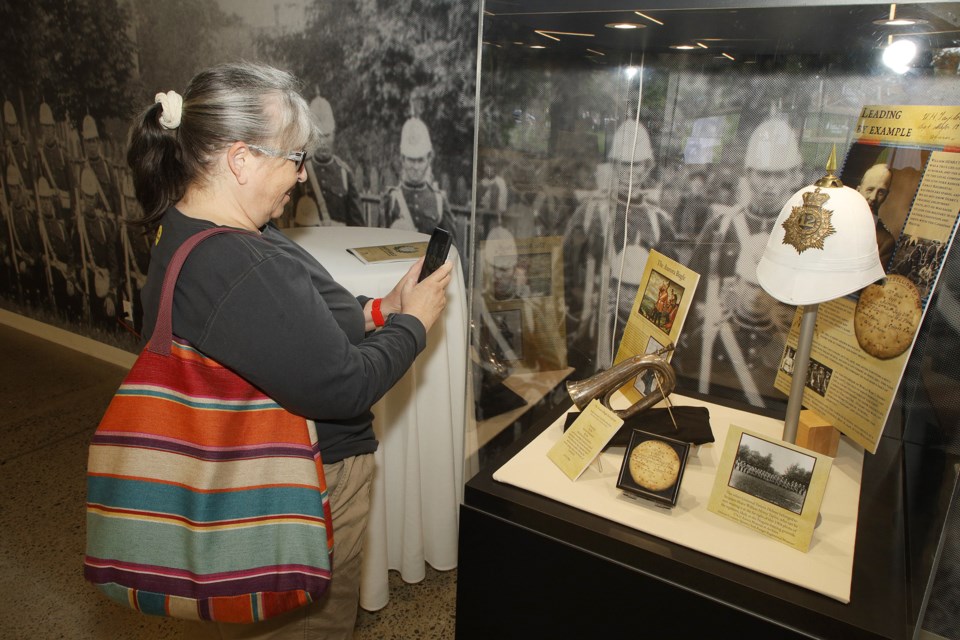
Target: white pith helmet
773 147
500 249
623 147
634 260
813 257
323 113
415 139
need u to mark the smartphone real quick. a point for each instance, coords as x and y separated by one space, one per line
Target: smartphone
437 250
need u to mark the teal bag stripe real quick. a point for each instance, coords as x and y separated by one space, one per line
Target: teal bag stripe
159 497
206 552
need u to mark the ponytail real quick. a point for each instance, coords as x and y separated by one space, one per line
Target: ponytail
155 160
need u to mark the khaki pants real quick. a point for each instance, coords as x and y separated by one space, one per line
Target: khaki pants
333 617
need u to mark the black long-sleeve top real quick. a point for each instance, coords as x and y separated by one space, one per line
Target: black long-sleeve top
266 309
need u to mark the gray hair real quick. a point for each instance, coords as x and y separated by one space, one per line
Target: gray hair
245 101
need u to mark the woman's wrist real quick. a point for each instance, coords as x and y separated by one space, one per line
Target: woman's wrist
390 305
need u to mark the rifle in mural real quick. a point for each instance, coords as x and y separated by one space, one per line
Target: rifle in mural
7 212
84 249
126 308
45 241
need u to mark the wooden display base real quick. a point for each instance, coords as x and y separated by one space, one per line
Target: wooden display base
816 434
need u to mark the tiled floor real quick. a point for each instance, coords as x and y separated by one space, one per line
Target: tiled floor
51 399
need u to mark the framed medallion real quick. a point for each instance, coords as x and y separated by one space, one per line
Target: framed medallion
653 468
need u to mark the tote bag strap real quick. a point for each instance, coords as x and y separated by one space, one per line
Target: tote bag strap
163 329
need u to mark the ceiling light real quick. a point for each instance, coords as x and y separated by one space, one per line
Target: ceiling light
546 35
893 21
683 47
599 53
545 32
728 56
631 71
899 22
625 25
537 46
643 15
899 54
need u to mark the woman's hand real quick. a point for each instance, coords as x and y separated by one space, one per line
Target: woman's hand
424 300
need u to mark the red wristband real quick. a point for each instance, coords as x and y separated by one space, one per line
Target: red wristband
376 314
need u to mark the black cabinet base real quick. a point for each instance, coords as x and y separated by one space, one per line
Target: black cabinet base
516 583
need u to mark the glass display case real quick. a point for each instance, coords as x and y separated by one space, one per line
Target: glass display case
609 130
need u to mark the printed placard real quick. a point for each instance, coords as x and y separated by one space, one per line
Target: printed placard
585 439
770 486
389 252
659 311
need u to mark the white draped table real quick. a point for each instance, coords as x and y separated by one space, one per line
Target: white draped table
418 484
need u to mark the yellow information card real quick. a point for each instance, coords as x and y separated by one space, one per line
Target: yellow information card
389 252
913 125
585 439
770 486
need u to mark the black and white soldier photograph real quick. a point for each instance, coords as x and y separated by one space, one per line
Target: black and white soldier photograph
789 360
818 377
395 118
918 259
772 473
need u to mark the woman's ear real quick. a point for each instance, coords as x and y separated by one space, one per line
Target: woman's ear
238 158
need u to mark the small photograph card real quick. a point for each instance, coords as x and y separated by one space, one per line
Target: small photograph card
585 439
653 467
389 252
770 486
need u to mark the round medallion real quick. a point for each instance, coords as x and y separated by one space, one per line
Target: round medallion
654 465
887 317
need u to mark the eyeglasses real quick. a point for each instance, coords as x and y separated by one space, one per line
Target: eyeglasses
296 156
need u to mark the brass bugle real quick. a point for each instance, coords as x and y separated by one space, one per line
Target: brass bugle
604 383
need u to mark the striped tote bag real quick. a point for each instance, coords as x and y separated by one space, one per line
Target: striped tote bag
206 500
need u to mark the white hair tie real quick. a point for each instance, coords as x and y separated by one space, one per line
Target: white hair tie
172 103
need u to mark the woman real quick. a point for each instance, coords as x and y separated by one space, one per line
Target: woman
228 153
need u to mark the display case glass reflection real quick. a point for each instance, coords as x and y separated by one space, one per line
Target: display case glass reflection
686 135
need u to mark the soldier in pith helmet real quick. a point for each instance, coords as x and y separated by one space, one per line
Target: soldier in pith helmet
99 250
330 184
54 163
737 328
597 233
59 259
417 203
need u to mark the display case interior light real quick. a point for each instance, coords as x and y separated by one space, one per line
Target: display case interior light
553 34
651 19
894 21
899 54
